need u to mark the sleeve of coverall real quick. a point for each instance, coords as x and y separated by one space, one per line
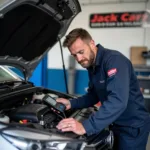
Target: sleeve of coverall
117 69
86 100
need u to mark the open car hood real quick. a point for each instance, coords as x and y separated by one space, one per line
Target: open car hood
29 28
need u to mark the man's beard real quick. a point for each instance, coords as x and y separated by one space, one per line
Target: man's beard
90 60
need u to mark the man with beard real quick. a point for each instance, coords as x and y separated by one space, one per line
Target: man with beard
113 82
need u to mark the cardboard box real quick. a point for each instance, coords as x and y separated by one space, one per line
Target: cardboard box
136 55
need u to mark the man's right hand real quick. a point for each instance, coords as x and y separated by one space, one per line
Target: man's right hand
64 101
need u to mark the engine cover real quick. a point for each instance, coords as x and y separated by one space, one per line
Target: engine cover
30 112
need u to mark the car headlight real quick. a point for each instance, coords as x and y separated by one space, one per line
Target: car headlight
43 143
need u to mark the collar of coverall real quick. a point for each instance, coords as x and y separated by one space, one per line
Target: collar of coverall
98 59
99 55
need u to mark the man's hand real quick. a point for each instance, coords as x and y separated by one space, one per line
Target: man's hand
64 101
71 124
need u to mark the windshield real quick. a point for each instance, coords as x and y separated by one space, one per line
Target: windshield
6 74
5 3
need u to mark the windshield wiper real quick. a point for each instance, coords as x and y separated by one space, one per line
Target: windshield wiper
5 87
11 82
10 85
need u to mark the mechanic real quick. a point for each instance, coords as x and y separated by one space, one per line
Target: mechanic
112 81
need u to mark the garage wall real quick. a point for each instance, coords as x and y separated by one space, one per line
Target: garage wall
147 32
120 39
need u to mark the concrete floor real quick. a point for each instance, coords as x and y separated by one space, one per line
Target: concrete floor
148 144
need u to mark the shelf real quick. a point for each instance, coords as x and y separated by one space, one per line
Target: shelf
141 68
139 77
146 96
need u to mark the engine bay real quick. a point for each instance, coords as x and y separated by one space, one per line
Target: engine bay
34 108
31 110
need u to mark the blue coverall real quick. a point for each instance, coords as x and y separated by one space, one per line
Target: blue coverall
113 82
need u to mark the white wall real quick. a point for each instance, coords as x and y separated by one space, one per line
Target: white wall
147 33
120 39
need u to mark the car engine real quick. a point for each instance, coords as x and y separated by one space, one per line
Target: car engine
34 112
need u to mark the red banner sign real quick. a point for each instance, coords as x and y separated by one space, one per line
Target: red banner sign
123 19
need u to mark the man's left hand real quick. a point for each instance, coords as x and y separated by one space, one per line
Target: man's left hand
71 124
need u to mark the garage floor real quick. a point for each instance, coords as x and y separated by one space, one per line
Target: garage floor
148 144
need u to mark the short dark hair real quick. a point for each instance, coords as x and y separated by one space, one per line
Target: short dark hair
74 35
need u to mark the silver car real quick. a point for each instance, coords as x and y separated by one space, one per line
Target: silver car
28 30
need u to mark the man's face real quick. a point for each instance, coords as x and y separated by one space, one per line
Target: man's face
83 52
